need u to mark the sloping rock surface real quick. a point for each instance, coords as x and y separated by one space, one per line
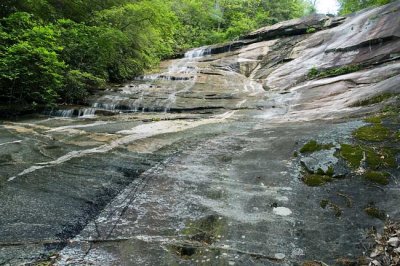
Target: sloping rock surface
197 165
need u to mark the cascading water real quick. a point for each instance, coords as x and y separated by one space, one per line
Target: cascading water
69 113
155 92
200 52
62 113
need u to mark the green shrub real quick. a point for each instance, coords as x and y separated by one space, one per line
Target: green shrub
31 72
78 85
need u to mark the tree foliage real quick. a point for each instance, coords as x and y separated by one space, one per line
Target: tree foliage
54 51
350 6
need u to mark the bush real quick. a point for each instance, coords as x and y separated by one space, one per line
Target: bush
31 72
78 85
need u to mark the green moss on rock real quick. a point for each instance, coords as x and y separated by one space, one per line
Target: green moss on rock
375 159
315 180
375 212
375 132
206 229
323 203
313 146
381 178
374 119
376 99
351 154
332 72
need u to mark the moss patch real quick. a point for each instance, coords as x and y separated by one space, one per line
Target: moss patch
205 230
315 180
183 251
372 133
332 72
381 178
313 146
375 159
376 99
324 203
334 207
311 30
352 154
375 212
374 119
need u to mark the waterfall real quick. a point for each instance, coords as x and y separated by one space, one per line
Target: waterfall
155 92
62 113
69 113
87 112
199 52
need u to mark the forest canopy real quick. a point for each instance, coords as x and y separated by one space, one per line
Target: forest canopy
58 51
350 6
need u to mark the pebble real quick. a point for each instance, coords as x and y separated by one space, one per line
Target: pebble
280 256
394 241
282 211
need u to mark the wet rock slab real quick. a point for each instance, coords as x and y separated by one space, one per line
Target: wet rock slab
234 199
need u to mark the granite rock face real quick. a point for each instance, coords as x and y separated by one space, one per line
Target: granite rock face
199 163
354 58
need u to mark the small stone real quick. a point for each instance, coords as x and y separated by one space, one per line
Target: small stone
243 237
224 254
394 241
376 263
375 253
282 211
231 263
280 256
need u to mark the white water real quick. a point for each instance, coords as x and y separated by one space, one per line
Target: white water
11 142
199 52
69 113
63 113
87 112
156 92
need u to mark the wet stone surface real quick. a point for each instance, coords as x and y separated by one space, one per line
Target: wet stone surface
200 164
